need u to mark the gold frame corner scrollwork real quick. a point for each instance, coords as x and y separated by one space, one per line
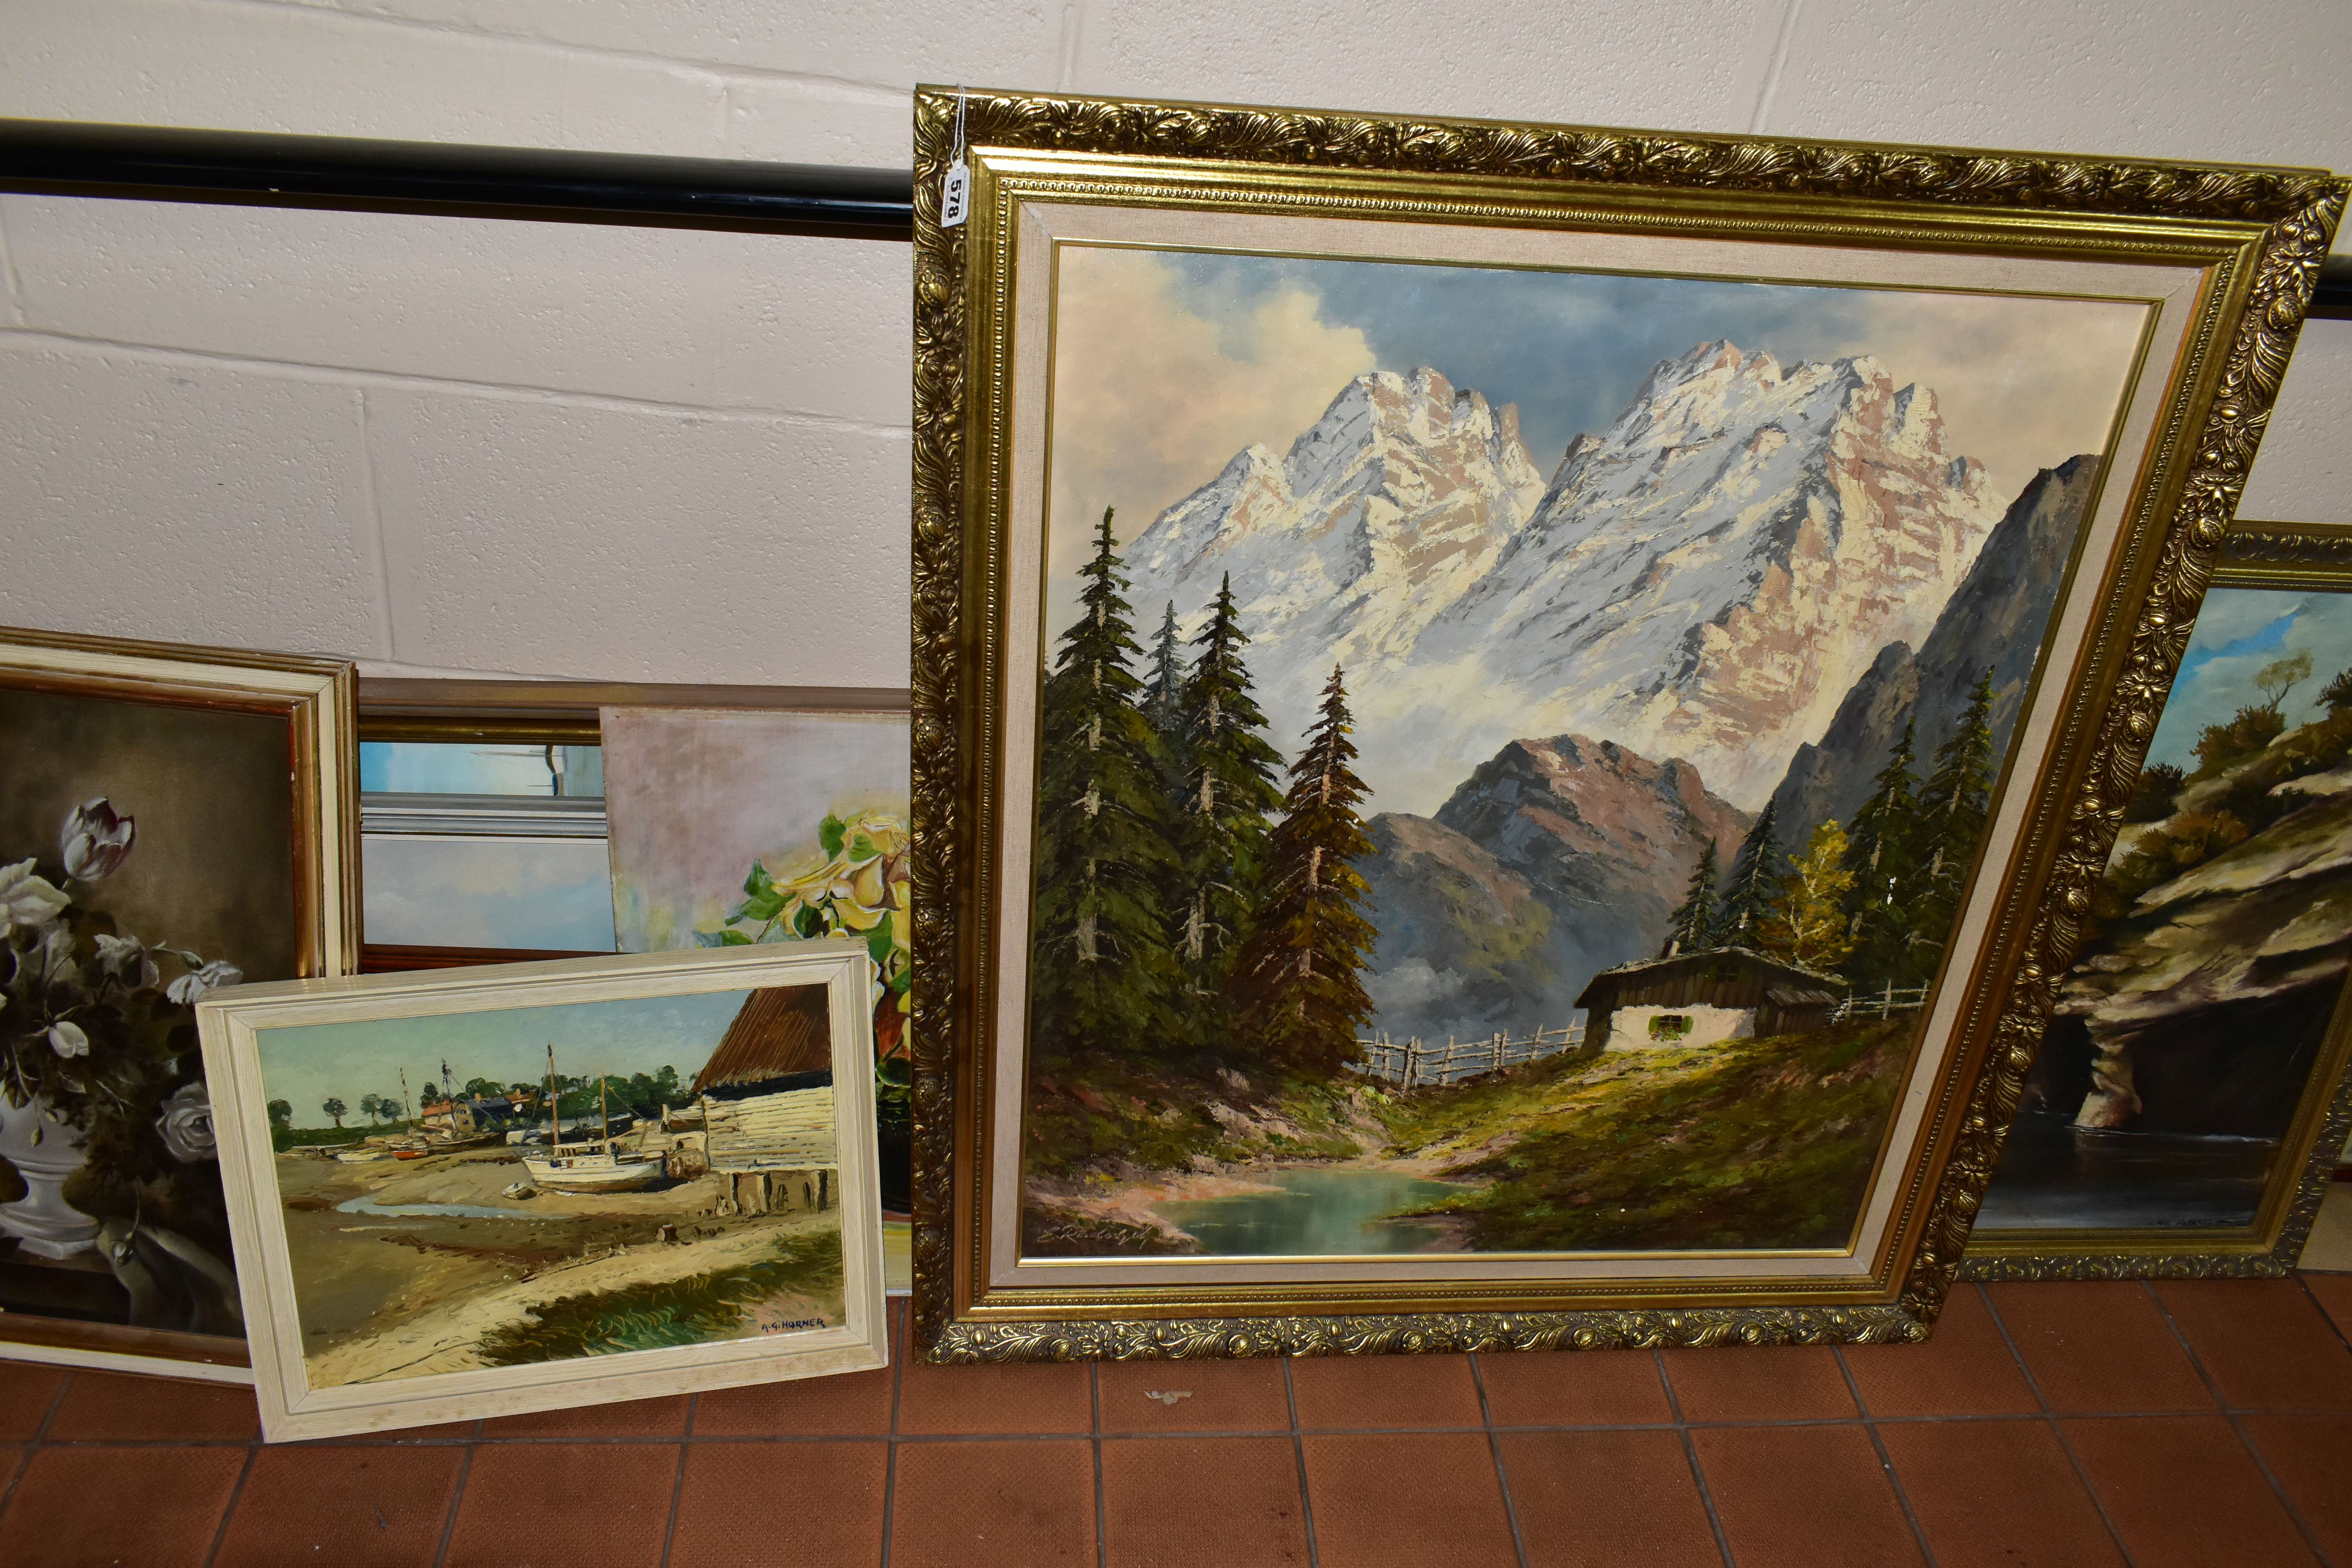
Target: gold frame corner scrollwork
2287 217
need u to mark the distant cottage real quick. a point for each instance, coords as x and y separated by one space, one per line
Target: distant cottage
766 1096
1700 998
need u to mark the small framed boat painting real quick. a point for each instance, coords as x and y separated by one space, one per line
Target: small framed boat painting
475 1192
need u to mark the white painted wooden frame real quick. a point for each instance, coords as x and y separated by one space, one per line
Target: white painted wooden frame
231 1023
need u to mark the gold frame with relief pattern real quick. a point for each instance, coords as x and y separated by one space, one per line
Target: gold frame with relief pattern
2291 555
2225 259
317 700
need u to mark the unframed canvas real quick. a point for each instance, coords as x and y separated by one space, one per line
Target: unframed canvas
2185 1112
1422 868
592 1180
172 820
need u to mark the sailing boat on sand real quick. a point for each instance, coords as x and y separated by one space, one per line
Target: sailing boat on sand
597 1166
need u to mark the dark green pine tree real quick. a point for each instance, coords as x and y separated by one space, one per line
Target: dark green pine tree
1754 889
1299 978
1880 854
1692 925
1163 706
1226 793
1952 806
1103 977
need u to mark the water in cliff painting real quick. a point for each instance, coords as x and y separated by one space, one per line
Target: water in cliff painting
1513 743
2212 974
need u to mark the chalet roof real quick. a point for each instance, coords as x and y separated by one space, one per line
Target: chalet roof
782 1031
1603 986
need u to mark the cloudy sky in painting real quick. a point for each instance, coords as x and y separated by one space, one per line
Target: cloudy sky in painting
306 1064
2239 631
1167 364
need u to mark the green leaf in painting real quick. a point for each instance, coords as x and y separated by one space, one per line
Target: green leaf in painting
758 882
832 833
878 943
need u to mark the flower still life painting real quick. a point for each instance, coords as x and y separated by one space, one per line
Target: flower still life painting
735 827
2197 1039
148 858
1507 788
442 1200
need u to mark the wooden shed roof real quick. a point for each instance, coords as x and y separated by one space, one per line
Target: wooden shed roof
782 1031
1603 987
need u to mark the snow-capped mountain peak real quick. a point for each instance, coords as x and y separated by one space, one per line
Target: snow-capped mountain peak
1704 579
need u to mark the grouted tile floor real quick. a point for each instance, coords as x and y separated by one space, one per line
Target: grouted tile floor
2203 1424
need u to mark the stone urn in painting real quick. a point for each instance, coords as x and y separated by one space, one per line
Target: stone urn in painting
46 1152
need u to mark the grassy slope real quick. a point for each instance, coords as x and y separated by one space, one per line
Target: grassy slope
1158 1119
1753 1143
693 1310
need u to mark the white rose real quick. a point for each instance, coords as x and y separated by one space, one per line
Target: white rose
127 957
188 987
187 1124
67 1038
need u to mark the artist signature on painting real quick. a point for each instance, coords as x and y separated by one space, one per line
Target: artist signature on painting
795 1323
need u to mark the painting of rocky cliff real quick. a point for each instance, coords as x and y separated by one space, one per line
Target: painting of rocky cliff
2197 1018
1513 743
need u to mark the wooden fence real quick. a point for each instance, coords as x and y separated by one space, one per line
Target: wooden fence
1885 1004
1412 1065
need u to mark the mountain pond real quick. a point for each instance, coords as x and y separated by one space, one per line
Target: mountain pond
1321 1211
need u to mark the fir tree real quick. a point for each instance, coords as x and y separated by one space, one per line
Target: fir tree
1879 855
1807 924
1300 976
1952 805
1749 896
1692 925
1163 685
1103 972
1227 793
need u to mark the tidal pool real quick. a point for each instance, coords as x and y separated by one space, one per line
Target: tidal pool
1316 1212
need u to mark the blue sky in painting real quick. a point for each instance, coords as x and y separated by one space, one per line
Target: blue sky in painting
306 1064
2237 632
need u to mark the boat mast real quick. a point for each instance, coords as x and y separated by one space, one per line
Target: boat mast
405 1114
603 1118
554 1110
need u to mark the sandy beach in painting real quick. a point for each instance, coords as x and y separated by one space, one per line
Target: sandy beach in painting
413 1291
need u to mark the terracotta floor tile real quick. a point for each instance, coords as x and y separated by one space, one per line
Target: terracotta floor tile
1219 1397
1574 1388
1964 1369
1406 1499
27 1390
583 1505
2335 1294
1776 1383
624 1418
1587 1498
961 1504
155 1508
2184 1493
1998 1494
2098 1345
750 1505
350 1506
2264 1340
1803 1496
2307 1453
989 1400
1201 1502
856 1402
118 1404
1342 1390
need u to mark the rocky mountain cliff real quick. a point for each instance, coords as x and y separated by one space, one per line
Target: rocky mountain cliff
1996 618
1704 579
1555 859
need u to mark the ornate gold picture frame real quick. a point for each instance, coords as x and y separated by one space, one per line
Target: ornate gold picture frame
1111 264
177 819
2187 1112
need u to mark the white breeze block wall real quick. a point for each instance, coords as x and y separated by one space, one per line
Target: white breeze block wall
659 455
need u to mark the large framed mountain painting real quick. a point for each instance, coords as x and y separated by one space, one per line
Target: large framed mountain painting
2187 1108
1524 754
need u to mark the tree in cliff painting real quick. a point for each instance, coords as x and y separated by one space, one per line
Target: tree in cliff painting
1952 806
1692 926
1807 923
1104 976
1751 890
1879 855
1300 975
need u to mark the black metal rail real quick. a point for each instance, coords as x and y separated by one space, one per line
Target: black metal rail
266 169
